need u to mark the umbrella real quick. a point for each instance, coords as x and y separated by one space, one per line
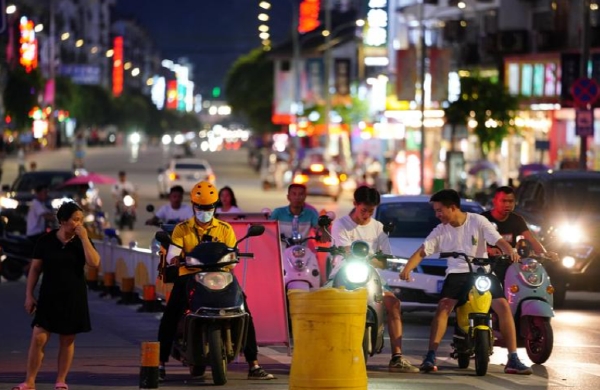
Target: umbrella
484 165
90 177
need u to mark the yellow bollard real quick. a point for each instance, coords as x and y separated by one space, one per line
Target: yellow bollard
328 327
149 366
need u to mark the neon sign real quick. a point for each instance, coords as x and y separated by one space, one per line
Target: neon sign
117 66
377 23
309 15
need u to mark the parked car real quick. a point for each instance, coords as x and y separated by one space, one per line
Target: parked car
413 219
16 198
185 172
563 209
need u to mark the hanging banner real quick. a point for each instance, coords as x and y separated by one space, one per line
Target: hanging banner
283 96
315 71
406 73
342 76
439 68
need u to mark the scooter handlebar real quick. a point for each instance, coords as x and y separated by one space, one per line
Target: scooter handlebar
246 255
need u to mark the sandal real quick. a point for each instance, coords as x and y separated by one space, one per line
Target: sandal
22 386
61 386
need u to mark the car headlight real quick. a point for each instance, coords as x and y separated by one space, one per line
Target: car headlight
356 272
56 203
568 261
397 264
8 203
483 283
569 233
214 280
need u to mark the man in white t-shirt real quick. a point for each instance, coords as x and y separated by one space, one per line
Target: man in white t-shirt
38 214
358 225
175 211
466 233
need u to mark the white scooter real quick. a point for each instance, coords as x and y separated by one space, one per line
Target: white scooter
529 292
300 265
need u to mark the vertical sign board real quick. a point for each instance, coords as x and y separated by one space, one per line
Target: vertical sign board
584 122
342 76
406 73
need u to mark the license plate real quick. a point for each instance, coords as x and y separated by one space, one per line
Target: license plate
440 284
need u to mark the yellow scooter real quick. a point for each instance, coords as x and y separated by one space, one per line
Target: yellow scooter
473 336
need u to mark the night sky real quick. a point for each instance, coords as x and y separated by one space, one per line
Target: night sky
211 33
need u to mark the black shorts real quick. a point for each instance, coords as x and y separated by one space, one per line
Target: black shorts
455 286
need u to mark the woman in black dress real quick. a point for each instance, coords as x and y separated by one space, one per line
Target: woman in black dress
62 305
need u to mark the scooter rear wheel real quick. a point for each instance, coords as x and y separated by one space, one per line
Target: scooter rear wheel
539 340
482 351
12 269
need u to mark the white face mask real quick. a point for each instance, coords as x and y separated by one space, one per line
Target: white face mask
204 216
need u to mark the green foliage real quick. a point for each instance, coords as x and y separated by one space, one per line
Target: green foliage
481 100
177 121
21 95
351 110
249 90
92 105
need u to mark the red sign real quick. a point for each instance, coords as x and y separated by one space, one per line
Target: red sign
309 15
28 49
585 91
118 66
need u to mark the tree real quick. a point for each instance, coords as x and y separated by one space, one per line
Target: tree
21 95
93 105
490 105
249 90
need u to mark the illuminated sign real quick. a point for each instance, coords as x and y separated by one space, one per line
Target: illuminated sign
118 66
375 34
535 77
28 56
172 94
159 87
308 18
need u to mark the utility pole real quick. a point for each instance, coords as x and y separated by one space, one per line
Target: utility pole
583 72
327 75
52 130
422 57
296 62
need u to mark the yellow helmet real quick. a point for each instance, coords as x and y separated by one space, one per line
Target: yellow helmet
204 194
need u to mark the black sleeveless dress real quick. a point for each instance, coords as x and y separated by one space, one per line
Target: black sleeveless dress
62 305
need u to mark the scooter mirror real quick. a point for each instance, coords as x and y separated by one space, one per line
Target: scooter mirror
523 248
163 238
255 230
324 221
150 208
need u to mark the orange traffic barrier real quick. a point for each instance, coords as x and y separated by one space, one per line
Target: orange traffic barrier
128 295
110 288
91 277
149 365
149 301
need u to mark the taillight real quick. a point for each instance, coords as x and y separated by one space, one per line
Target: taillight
211 178
300 179
173 176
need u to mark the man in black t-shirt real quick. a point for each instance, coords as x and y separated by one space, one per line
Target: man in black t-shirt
510 226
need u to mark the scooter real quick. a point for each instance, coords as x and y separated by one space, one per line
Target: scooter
473 335
300 265
125 214
354 272
213 329
529 293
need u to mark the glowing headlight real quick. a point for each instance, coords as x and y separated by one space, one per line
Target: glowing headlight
214 280
8 203
135 138
56 203
530 265
128 201
88 218
568 261
483 283
569 233
298 251
357 272
227 258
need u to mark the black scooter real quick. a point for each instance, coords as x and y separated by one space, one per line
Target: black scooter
16 254
212 332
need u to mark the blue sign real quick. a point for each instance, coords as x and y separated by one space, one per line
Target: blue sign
584 122
585 91
81 74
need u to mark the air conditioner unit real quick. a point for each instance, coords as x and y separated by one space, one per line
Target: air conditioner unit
512 41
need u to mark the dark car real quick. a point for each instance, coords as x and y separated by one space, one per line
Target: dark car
563 209
15 199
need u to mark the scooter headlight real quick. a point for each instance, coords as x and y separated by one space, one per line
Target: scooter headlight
128 201
356 272
568 261
8 203
214 280
483 283
298 251
533 279
529 265
298 264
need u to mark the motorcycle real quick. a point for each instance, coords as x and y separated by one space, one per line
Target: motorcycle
529 293
213 329
473 335
16 253
300 265
125 214
98 227
356 272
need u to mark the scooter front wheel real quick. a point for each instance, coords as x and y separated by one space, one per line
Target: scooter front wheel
217 357
463 360
539 340
482 351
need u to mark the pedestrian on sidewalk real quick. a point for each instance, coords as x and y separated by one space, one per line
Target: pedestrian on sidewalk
21 160
62 305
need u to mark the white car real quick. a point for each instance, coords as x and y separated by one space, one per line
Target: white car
413 219
185 172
